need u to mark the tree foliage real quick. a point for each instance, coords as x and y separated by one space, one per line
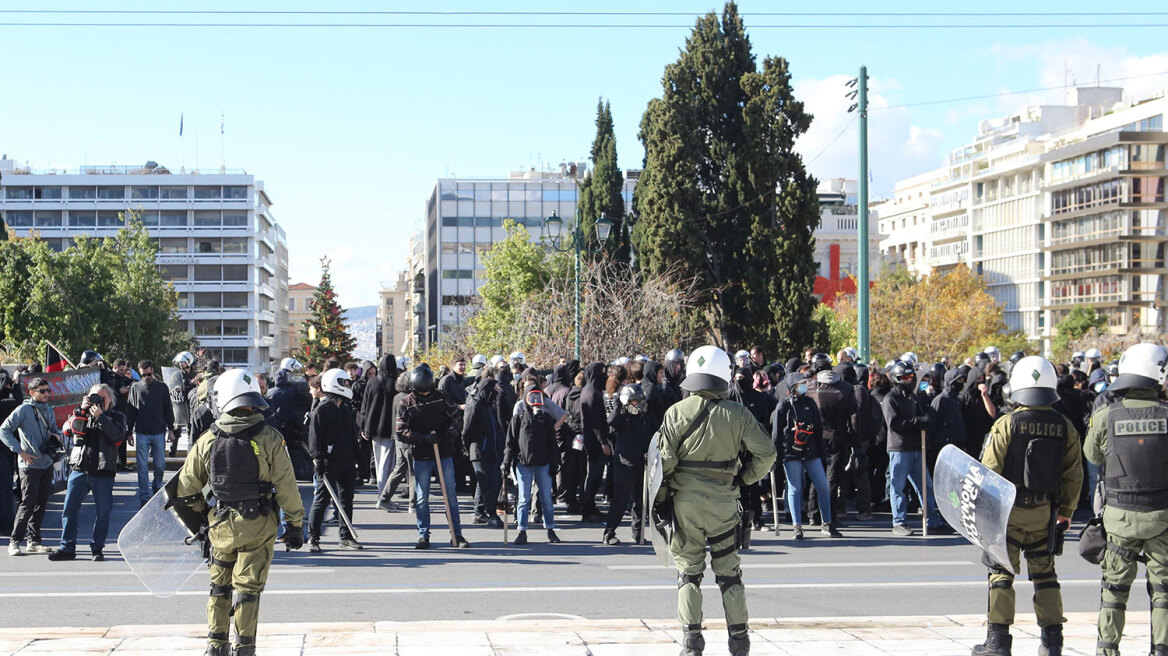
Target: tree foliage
1080 320
324 335
942 314
723 196
600 193
103 294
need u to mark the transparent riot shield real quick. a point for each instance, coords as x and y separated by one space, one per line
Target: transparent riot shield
154 544
974 500
173 378
660 530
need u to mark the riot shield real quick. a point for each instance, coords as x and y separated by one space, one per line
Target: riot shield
975 500
173 377
660 530
154 544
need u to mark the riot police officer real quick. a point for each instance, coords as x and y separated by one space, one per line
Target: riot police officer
249 472
700 441
1129 437
1038 450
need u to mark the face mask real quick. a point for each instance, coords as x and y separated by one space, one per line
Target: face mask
633 408
1099 387
801 389
535 400
923 386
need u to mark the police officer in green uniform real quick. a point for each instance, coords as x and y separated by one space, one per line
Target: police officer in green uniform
247 466
1038 450
700 440
1129 438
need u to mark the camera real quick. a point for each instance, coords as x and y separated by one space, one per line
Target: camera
53 447
95 399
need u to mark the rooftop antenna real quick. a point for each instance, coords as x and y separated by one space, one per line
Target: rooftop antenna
1098 74
222 160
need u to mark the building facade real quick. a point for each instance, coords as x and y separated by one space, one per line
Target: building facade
219 244
299 296
1057 206
837 249
392 328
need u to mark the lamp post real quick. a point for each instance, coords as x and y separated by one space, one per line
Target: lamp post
553 227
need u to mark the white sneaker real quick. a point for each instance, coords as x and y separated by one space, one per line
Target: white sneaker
13 548
37 547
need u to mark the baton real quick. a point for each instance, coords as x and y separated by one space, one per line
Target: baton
502 506
445 500
340 508
775 498
924 485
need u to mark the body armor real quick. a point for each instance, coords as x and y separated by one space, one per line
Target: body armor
1034 458
1136 474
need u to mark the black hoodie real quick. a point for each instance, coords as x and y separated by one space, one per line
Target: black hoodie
592 413
950 427
671 388
483 434
560 385
507 395
654 397
377 406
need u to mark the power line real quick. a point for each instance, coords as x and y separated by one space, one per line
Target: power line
832 142
283 12
1009 93
590 26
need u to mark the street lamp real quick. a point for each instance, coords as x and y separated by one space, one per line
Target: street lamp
553 227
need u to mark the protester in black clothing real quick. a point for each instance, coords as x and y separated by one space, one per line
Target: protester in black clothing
484 437
332 443
880 386
531 448
570 437
760 406
950 421
978 410
837 407
863 429
652 378
797 434
596 439
10 399
631 430
674 374
561 383
403 456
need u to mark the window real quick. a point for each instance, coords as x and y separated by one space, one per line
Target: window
234 328
172 193
82 219
18 193
20 219
208 273
208 219
235 300
235 219
235 193
208 193
449 248
457 274
143 193
209 246
292 304
173 272
236 245
234 356
110 219
172 245
173 219
149 219
235 272
208 328
111 193
208 300
82 193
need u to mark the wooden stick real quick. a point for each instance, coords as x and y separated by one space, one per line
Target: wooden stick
445 500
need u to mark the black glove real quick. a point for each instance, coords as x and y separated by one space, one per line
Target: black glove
738 482
664 511
293 536
430 438
319 467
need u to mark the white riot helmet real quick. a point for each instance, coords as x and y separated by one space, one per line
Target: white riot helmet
1078 356
641 358
621 361
517 357
740 356
708 368
236 388
674 354
184 358
478 361
1142 365
993 352
291 364
1093 354
852 353
496 360
909 357
1033 381
334 381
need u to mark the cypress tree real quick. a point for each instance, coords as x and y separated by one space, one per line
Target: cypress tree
724 196
600 191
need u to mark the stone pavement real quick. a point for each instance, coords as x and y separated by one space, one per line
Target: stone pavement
523 636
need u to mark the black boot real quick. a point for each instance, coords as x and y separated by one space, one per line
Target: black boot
218 650
1159 650
1051 641
249 650
998 641
740 645
692 642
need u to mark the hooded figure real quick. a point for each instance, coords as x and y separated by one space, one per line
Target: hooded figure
671 388
594 422
282 401
950 423
654 397
561 384
377 406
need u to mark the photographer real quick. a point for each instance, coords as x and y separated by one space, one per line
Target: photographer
31 433
93 435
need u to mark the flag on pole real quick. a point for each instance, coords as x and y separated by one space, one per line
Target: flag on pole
54 361
180 124
220 122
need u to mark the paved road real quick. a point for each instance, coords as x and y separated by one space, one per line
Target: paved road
869 572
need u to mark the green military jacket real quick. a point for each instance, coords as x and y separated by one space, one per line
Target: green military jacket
994 457
728 428
275 467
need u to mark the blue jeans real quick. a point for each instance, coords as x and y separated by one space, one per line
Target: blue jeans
424 472
813 467
542 477
81 484
907 464
153 447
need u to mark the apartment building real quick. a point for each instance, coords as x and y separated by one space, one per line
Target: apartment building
219 244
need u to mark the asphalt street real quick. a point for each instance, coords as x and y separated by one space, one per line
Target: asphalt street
868 572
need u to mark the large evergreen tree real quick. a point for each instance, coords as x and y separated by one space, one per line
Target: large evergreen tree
724 196
600 191
324 334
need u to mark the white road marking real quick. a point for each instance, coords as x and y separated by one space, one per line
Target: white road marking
123 573
553 588
850 565
538 616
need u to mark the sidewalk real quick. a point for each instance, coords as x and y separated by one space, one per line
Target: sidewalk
859 636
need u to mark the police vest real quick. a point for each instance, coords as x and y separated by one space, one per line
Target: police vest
1136 465
1034 459
235 468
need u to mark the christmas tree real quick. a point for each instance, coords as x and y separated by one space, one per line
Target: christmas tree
324 334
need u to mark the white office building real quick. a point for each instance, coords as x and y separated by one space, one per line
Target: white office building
1057 206
218 243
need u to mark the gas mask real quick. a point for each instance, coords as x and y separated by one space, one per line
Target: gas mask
535 400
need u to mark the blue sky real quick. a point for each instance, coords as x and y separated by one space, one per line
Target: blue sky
350 127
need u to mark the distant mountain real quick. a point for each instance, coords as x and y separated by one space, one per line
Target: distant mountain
362 323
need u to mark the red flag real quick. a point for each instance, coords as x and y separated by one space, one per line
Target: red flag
54 361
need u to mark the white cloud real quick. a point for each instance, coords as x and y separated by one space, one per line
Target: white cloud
897 149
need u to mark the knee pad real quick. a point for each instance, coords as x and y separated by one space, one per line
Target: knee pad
242 598
222 591
727 582
683 579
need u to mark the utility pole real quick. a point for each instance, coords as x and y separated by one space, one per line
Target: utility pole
860 93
